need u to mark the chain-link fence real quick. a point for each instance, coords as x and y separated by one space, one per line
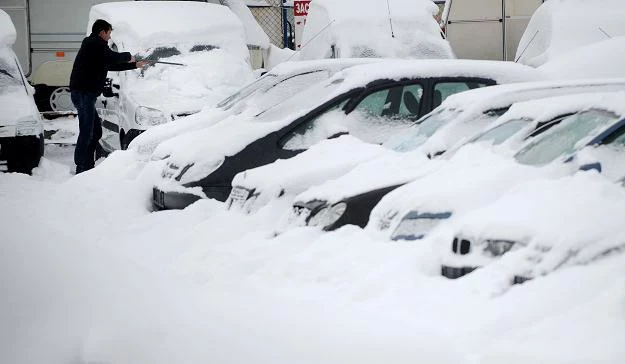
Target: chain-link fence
276 21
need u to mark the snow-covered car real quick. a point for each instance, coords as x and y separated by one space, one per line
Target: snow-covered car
390 96
387 29
207 43
541 226
596 60
414 209
599 128
264 92
21 127
558 27
455 121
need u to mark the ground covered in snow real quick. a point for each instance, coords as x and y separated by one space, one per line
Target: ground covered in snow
89 275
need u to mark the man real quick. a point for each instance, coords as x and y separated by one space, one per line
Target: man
93 61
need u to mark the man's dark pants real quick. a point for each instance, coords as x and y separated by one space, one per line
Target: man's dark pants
90 129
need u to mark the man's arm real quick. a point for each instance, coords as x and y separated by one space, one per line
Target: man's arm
122 66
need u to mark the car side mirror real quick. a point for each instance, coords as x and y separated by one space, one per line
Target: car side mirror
108 88
590 166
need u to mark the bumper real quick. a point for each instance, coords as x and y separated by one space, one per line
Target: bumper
162 200
454 272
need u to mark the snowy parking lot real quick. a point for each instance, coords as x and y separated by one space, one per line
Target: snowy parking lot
260 204
91 275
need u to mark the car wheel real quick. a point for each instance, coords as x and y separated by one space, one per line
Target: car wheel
23 157
61 100
124 140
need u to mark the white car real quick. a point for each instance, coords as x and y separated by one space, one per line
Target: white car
206 59
21 127
460 117
600 130
411 211
539 227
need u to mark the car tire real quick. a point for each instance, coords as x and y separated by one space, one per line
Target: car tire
53 98
124 140
24 154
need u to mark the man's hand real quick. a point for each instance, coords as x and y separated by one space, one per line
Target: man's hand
132 59
141 64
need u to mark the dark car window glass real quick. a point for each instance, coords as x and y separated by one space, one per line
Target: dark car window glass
10 76
259 84
443 90
315 130
617 138
500 133
202 48
154 54
563 138
285 91
401 102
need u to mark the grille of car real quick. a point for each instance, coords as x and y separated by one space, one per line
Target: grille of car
461 246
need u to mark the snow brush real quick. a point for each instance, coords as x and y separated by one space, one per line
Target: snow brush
152 62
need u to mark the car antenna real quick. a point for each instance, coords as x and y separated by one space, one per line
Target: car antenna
390 19
311 39
527 46
605 33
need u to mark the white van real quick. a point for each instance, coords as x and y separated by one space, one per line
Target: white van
21 128
486 29
206 43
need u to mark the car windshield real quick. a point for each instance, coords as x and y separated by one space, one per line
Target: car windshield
260 84
422 130
302 101
564 138
10 77
501 133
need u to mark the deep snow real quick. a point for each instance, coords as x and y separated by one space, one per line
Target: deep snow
89 275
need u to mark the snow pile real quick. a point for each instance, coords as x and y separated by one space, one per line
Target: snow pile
323 161
562 25
362 29
7 30
141 25
596 60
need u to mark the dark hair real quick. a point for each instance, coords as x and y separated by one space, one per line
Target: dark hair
100 25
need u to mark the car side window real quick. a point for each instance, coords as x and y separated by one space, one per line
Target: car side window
443 90
315 130
399 102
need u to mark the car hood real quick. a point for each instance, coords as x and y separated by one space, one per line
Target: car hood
17 105
323 161
183 89
473 177
389 169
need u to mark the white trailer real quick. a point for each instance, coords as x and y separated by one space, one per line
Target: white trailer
486 29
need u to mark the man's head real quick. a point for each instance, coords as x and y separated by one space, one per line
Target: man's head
102 28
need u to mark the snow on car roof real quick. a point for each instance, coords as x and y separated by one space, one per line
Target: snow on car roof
289 67
602 59
560 26
7 29
225 138
141 24
356 26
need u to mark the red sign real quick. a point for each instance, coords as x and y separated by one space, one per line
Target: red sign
300 7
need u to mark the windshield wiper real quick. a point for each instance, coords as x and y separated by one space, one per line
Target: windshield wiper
6 73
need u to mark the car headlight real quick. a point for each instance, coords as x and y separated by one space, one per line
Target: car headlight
147 116
27 127
328 215
499 247
416 225
190 172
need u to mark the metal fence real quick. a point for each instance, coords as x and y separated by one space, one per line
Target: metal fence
276 20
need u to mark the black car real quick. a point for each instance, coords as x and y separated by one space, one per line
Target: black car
388 96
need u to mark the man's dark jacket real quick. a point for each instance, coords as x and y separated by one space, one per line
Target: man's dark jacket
93 61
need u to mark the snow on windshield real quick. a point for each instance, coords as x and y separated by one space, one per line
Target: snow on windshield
138 26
